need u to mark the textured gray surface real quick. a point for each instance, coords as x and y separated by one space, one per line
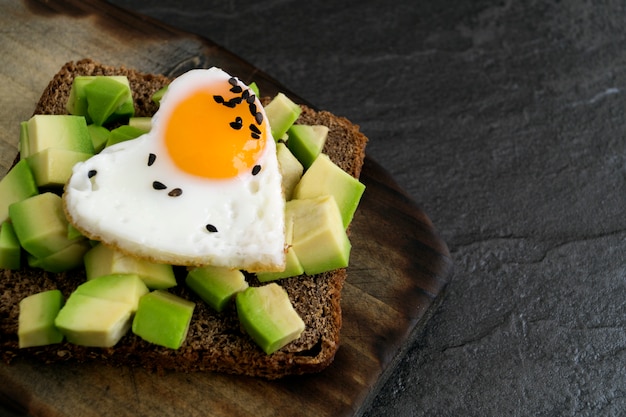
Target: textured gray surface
505 121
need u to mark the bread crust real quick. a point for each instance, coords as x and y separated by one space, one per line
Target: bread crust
215 341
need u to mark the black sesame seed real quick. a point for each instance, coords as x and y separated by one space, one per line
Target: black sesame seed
211 228
158 185
151 159
245 94
251 99
92 173
218 99
255 129
252 107
237 124
256 169
176 192
232 81
258 117
255 135
236 89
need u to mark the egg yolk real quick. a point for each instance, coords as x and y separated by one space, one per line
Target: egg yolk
206 138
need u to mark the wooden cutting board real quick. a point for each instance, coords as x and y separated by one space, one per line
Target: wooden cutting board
399 267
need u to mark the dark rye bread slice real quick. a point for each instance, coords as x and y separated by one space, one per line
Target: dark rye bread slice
215 341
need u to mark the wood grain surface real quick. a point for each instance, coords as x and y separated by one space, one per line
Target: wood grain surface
399 267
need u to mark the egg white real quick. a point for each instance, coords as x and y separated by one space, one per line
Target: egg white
119 205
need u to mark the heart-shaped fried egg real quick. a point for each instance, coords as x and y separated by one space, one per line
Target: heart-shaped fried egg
202 187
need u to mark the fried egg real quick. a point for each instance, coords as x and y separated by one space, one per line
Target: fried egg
203 187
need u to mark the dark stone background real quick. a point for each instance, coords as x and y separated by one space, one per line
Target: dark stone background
504 120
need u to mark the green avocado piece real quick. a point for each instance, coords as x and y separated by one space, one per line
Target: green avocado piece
163 318
124 112
326 178
105 96
40 224
306 142
143 123
66 259
24 152
281 113
99 136
77 100
36 319
290 168
268 317
124 288
123 133
93 321
73 232
99 311
255 88
319 238
158 95
52 167
103 260
216 286
17 185
10 250
60 131
93 96
293 267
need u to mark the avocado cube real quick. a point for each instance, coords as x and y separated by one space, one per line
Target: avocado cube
10 250
77 100
254 89
268 317
105 96
215 285
158 95
103 260
40 224
93 321
142 123
60 131
99 136
319 238
66 259
123 133
99 311
24 152
124 288
326 178
290 168
36 319
52 167
281 113
124 112
163 318
306 142
293 267
73 232
17 185
95 96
